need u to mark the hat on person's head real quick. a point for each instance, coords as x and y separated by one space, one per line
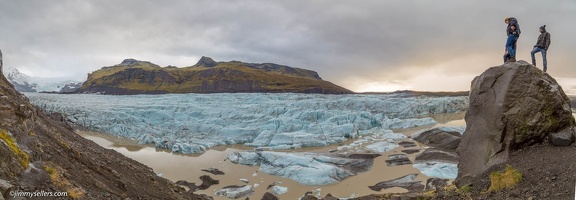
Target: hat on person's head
506 19
543 28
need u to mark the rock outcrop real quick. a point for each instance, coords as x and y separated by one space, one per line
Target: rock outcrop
206 62
511 106
406 182
39 153
206 76
441 137
235 191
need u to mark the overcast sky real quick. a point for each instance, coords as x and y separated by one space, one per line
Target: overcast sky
363 45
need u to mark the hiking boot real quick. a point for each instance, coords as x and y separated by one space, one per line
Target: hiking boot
511 60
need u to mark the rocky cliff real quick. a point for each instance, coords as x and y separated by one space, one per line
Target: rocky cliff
207 76
41 153
511 106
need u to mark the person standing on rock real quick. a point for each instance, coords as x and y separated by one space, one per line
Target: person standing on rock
513 32
542 45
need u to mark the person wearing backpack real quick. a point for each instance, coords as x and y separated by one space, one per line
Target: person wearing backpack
542 45
513 33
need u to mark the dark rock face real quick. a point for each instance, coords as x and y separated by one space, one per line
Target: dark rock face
437 155
436 183
444 137
406 182
562 138
130 61
269 196
25 87
397 160
329 197
407 144
410 151
235 191
71 87
5 188
511 106
206 62
214 171
308 196
207 181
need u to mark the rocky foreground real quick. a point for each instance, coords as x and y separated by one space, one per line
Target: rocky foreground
39 152
519 121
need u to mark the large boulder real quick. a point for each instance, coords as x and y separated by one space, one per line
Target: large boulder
511 106
441 137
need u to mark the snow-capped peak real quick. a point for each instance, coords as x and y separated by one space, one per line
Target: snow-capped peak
15 76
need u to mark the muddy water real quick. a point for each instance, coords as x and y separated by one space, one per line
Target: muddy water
187 167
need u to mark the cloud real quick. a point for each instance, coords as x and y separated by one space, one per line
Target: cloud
355 44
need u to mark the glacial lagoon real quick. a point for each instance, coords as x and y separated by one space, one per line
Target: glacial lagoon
178 166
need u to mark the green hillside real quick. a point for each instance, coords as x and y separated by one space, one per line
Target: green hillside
207 76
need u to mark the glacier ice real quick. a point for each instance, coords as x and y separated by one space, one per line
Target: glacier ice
193 123
235 192
438 169
439 163
381 147
306 168
279 190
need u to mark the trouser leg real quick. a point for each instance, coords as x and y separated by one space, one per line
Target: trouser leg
545 62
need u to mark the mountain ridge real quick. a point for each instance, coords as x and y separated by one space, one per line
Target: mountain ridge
206 76
25 83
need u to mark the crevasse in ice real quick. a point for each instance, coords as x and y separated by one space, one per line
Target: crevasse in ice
192 123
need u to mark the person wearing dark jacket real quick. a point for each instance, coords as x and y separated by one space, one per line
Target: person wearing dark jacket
513 33
542 45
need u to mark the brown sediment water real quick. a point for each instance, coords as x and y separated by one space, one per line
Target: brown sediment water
188 167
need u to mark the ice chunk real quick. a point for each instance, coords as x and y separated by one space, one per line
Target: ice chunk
408 123
438 169
235 192
278 190
306 168
381 147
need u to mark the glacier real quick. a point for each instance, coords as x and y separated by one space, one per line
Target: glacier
306 168
193 123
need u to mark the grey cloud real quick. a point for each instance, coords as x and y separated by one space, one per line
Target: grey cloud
345 41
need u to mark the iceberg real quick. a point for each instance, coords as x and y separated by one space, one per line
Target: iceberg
381 147
438 169
438 163
193 123
307 168
278 190
235 192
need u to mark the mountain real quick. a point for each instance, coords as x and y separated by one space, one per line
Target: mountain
25 83
207 76
41 152
20 80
